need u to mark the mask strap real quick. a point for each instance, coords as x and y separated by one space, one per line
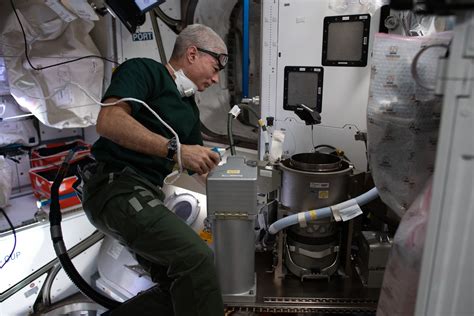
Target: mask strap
171 67
174 71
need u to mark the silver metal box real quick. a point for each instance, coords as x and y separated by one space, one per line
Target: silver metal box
232 209
232 188
374 249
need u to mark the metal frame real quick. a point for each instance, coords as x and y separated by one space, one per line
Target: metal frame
292 34
447 275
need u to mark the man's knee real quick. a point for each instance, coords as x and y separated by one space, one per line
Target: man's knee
199 258
205 254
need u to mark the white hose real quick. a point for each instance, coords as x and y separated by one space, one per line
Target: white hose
320 213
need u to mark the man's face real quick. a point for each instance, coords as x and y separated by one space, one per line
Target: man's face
203 70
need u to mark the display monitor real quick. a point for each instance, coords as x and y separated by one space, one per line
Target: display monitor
346 40
303 85
147 5
132 12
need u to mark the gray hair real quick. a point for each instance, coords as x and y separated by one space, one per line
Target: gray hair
200 36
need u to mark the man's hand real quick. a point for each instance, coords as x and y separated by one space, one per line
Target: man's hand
198 158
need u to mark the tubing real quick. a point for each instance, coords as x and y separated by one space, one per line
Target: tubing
55 219
158 38
266 137
320 213
245 48
250 109
368 196
261 124
229 134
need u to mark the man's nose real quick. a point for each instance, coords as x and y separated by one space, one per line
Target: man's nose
215 78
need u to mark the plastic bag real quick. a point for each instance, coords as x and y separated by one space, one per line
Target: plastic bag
4 89
402 117
276 150
6 179
402 273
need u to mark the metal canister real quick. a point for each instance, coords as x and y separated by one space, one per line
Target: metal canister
311 181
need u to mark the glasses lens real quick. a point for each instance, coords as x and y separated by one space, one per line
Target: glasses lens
223 60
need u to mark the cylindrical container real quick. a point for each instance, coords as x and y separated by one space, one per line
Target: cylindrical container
235 255
311 181
304 189
313 247
232 208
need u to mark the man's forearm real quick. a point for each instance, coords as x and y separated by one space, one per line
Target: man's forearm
116 124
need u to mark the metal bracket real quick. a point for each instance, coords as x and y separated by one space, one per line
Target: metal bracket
231 215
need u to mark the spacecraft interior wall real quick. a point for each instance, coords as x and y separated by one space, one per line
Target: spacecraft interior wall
292 35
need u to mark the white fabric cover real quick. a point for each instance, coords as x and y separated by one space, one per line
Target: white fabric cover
51 40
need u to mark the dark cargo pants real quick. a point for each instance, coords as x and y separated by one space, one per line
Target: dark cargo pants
129 208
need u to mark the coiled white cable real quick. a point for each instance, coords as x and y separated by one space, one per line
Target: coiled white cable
177 173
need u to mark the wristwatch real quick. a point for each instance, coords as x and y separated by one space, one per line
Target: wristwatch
172 148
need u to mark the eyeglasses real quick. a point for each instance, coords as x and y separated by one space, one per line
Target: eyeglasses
221 58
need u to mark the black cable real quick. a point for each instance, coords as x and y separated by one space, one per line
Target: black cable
53 65
14 237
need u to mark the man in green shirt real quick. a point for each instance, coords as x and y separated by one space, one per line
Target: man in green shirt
122 195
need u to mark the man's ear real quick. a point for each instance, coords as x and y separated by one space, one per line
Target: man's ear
191 54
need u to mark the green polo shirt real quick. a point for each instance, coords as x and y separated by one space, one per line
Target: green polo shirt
149 81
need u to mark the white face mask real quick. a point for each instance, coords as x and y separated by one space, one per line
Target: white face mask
186 86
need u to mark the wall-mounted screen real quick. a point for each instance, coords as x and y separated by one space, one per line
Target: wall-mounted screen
346 40
147 5
303 85
132 12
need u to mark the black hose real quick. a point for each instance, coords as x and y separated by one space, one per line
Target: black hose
169 21
245 106
264 128
55 219
189 14
229 133
332 153
229 128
